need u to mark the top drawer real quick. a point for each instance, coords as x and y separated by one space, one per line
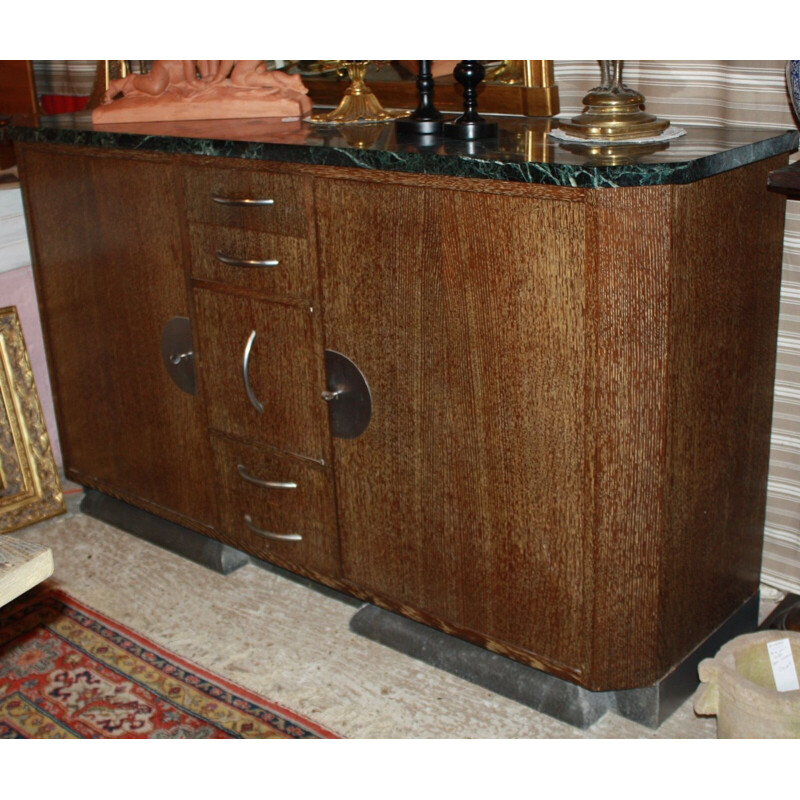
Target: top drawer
240 198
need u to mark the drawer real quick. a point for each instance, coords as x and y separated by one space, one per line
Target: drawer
262 371
260 489
258 201
213 247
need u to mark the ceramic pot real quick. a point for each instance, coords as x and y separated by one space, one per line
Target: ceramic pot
738 687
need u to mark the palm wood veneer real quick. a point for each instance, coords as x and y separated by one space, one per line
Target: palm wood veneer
572 388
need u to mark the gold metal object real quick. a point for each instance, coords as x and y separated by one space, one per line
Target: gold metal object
359 103
539 90
614 111
30 489
599 154
107 71
532 142
508 72
536 96
114 70
364 135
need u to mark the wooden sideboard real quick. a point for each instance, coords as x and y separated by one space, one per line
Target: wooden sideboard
571 388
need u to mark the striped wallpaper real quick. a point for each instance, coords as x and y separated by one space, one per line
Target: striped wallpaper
709 93
744 94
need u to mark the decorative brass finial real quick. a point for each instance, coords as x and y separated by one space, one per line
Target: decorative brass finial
359 104
614 111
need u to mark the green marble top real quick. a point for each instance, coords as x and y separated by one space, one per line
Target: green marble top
522 151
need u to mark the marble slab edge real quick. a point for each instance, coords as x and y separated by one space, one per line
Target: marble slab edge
455 164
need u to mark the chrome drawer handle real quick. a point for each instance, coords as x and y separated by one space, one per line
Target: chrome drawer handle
245 262
242 201
266 484
278 537
248 349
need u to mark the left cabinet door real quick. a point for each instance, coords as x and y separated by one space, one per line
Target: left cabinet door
110 273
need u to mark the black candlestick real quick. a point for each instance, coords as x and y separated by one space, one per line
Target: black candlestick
425 120
470 125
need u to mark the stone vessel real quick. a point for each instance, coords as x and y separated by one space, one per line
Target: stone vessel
738 687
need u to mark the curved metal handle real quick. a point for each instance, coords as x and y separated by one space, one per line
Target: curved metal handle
177 351
278 537
176 358
242 201
248 349
266 484
245 262
347 395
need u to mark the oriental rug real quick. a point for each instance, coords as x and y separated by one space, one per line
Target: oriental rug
68 672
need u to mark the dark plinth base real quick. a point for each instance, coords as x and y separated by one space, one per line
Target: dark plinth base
408 127
175 538
470 130
558 698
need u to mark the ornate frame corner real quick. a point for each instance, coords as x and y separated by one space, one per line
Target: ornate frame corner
30 488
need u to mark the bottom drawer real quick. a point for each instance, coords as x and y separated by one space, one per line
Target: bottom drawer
276 506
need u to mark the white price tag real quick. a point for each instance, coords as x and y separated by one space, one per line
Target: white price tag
783 668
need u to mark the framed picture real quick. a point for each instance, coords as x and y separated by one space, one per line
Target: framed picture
30 489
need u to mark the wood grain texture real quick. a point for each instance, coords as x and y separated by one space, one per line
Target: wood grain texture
286 216
308 510
286 372
295 275
91 482
686 283
572 388
628 311
465 314
110 272
725 288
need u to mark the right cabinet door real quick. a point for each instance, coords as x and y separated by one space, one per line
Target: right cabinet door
465 497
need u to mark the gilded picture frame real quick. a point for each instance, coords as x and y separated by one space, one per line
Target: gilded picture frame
30 488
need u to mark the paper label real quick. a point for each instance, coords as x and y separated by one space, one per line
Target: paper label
783 668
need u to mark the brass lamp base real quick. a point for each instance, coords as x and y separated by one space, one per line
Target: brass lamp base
359 103
614 112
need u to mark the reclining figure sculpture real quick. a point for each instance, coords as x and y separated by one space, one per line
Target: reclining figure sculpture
194 90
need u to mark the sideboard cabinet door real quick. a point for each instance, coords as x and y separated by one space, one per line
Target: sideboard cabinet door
464 497
262 372
110 273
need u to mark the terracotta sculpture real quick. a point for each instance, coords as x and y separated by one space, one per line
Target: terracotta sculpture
194 90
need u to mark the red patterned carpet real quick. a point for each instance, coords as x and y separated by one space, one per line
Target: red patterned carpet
68 672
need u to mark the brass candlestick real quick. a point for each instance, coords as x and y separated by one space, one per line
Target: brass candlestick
359 103
614 111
